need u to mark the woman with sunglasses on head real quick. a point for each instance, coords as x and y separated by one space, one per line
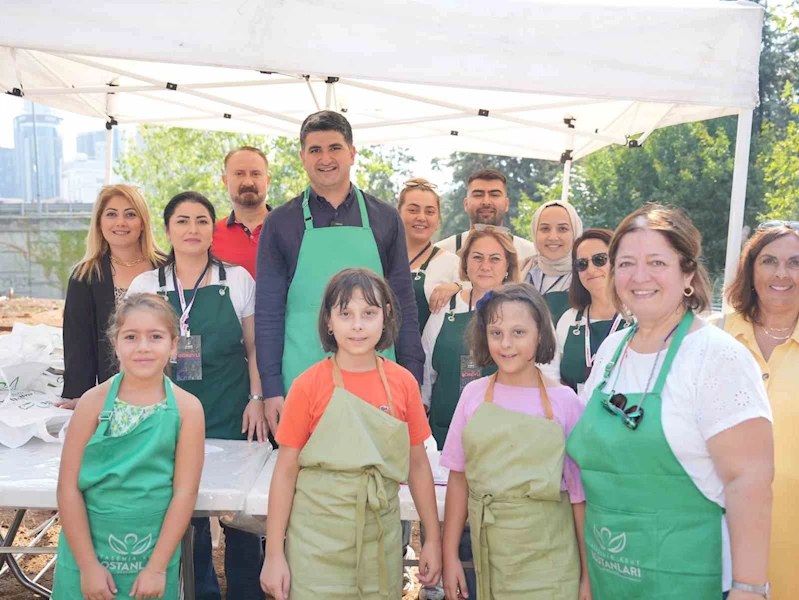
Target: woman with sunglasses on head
675 444
592 316
765 295
555 226
420 210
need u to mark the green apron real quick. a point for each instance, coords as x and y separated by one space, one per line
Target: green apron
344 539
573 369
649 531
324 252
450 361
126 484
558 302
419 277
224 390
523 537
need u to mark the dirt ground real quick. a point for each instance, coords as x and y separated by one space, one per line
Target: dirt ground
30 311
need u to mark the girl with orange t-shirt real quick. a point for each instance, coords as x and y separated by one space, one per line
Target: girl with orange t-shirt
353 427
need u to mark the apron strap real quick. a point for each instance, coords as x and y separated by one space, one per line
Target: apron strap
162 282
170 393
458 241
426 263
306 209
338 380
679 335
362 207
104 417
542 390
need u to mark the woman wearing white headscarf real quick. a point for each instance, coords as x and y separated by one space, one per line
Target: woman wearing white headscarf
554 228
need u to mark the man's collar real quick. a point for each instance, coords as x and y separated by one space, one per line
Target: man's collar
347 201
231 220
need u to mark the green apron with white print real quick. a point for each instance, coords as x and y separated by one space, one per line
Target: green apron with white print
649 532
126 483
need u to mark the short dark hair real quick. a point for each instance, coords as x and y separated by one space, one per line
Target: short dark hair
171 207
486 313
257 151
376 292
326 120
742 294
579 297
488 175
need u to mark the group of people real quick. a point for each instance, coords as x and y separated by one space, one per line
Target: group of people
604 439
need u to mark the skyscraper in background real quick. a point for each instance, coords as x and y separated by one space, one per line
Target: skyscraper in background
92 144
43 148
8 179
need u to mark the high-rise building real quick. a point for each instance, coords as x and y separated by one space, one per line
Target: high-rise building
92 144
82 179
8 179
39 151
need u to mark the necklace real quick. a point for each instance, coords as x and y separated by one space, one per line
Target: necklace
115 260
778 338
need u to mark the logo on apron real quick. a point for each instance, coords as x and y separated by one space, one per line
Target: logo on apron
605 552
128 551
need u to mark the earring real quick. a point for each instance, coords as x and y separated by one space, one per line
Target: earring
506 275
329 331
688 292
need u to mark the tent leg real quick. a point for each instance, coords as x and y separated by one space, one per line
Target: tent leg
738 198
567 169
109 154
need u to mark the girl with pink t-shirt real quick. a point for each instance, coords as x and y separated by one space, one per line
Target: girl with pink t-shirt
509 472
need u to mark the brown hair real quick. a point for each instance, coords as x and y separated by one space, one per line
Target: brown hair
579 297
257 151
488 175
487 313
97 247
742 294
683 237
376 292
421 184
153 302
503 239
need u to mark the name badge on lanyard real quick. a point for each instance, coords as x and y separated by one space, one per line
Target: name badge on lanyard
189 363
469 371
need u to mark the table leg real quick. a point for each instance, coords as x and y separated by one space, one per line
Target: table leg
187 564
15 569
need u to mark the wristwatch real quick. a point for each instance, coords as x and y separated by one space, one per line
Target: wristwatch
763 590
256 397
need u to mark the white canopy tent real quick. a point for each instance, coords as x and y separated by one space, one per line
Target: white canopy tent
550 79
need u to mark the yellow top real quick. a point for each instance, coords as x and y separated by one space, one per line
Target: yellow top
781 378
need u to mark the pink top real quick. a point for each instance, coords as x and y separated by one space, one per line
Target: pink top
565 406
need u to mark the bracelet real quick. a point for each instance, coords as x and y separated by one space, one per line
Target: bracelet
256 397
149 568
460 286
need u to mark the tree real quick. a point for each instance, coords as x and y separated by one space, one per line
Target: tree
780 165
167 161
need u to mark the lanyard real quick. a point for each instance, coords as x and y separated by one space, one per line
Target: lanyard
425 249
549 289
590 356
184 317
654 366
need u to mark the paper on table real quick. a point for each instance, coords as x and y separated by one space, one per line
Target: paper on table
209 449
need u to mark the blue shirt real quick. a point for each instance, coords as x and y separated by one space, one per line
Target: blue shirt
278 252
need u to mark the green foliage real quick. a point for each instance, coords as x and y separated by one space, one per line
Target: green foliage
780 165
167 161
57 252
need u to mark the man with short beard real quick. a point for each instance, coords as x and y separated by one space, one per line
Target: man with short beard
487 203
246 177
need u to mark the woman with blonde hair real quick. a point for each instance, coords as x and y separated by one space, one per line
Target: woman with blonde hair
119 246
765 295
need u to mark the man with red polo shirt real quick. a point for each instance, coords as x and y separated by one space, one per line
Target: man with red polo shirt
246 178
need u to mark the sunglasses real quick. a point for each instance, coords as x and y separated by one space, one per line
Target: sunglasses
599 260
425 185
617 405
776 223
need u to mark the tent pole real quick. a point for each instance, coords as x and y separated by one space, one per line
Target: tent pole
567 170
109 154
738 198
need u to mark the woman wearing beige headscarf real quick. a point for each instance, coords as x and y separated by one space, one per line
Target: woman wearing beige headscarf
555 226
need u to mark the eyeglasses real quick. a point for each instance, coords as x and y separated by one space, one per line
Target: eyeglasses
599 260
617 405
495 228
777 223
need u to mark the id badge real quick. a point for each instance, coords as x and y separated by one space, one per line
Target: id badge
469 371
189 358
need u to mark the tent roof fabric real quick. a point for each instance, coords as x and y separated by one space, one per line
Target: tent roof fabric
515 77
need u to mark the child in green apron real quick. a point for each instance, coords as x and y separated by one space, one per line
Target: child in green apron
352 429
509 474
130 468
